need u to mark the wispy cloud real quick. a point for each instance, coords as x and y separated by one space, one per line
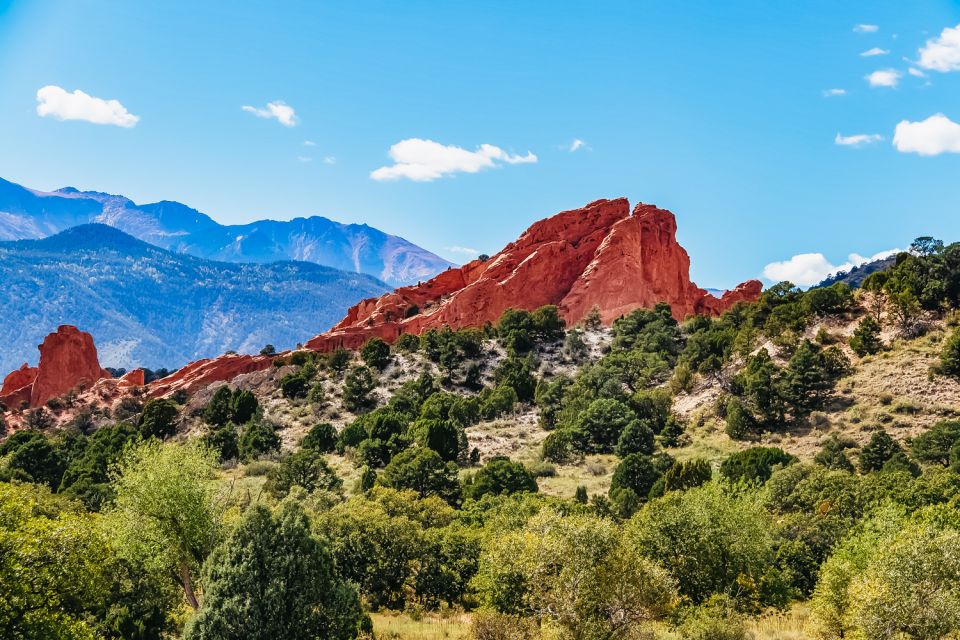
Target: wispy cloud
807 269
931 137
56 102
876 51
858 139
916 73
309 143
278 110
304 158
830 93
329 160
884 78
942 53
577 144
467 251
425 160
866 28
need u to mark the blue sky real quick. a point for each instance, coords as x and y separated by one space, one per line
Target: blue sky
717 111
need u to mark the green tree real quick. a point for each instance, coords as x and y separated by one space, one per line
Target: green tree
866 337
935 444
165 513
575 573
258 437
599 427
832 456
36 457
305 468
516 329
357 387
755 464
217 411
636 437
272 579
517 373
440 435
499 401
294 385
635 472
424 471
376 354
548 326
687 475
950 356
877 451
711 539
159 419
243 406
500 476
224 441
321 438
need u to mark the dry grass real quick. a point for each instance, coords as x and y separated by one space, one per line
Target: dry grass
398 626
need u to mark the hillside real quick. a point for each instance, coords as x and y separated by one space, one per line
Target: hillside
149 307
30 214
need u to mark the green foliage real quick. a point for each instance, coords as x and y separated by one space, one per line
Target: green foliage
557 446
258 437
35 458
294 385
223 440
517 373
950 355
832 456
717 619
357 387
87 476
516 329
321 438
159 419
238 407
687 475
649 331
498 402
407 343
164 515
306 469
711 539
272 579
376 354
424 471
836 299
440 435
599 427
866 337
339 359
810 375
499 476
635 472
576 574
636 437
549 400
934 445
877 451
755 464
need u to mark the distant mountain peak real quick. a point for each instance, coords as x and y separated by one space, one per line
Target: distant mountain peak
172 225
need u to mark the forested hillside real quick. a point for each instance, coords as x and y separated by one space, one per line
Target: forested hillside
796 458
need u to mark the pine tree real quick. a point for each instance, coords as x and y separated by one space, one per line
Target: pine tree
866 337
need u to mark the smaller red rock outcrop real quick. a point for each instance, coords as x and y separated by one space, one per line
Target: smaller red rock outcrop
599 256
68 360
204 372
17 386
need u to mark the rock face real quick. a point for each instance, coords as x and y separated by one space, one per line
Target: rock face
68 360
600 255
204 372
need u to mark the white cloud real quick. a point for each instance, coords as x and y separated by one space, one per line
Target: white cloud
467 251
942 53
857 140
56 102
876 51
884 78
309 143
279 110
577 144
933 136
866 28
829 93
425 160
807 269
329 160
916 73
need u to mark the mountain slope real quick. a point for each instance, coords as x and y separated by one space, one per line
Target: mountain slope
151 307
30 214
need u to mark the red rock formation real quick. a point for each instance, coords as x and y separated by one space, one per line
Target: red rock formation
204 372
68 359
600 256
133 378
17 387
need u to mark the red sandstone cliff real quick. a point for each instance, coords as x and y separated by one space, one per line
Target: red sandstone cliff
68 359
599 255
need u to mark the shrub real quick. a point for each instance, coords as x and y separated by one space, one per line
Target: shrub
755 464
224 441
258 438
600 426
516 373
376 354
305 468
407 343
424 471
500 476
499 401
635 472
440 435
687 475
557 446
877 451
832 456
950 356
294 385
866 337
357 388
321 438
636 437
159 419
